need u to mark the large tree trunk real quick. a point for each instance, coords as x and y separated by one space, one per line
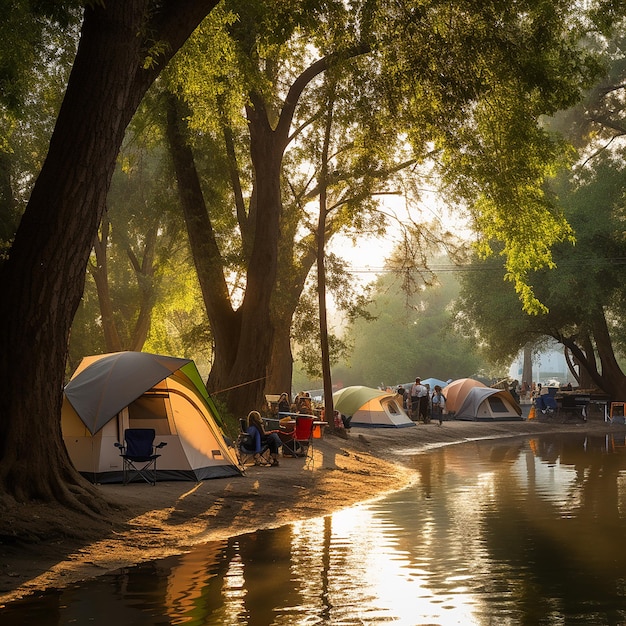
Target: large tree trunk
280 368
252 356
243 338
613 379
293 273
43 278
100 274
609 378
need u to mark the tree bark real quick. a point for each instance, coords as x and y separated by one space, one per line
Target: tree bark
527 365
613 379
243 338
43 277
100 274
609 378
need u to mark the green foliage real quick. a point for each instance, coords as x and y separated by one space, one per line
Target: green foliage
37 44
409 336
148 269
587 277
474 80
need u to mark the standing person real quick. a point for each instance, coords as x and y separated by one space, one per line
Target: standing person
425 405
438 404
418 391
260 436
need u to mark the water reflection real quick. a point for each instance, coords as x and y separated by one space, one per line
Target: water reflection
501 532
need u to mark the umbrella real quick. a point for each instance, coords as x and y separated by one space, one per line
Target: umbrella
456 391
105 386
350 399
431 382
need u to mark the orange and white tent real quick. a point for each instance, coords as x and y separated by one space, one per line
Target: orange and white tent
469 399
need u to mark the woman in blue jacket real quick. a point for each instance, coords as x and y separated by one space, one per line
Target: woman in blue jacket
260 437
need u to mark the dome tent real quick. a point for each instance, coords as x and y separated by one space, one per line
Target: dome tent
371 407
468 399
112 392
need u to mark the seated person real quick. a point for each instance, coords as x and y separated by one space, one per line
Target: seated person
303 403
259 436
287 434
284 406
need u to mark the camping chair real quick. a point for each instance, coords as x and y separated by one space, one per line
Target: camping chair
245 448
287 434
139 455
546 404
304 436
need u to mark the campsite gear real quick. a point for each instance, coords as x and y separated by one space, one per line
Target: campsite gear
110 393
139 455
286 432
246 449
304 436
546 403
371 407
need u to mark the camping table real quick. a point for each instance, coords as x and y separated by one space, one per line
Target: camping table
275 424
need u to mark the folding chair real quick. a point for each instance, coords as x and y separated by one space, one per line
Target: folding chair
546 404
139 455
245 448
304 436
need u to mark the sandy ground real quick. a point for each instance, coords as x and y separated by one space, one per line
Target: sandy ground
43 546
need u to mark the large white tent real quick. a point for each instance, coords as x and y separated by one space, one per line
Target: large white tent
112 392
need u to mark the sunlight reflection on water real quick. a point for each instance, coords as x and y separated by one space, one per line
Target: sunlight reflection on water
500 532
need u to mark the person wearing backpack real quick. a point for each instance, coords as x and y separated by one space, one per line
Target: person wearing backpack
438 403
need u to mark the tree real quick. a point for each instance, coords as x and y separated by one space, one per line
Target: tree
428 82
36 52
409 65
140 238
123 47
410 336
584 293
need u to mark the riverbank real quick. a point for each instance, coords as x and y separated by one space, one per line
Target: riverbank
43 546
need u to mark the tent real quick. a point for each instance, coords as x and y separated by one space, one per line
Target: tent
477 402
371 407
456 391
112 392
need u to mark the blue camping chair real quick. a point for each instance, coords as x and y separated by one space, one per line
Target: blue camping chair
139 455
546 403
245 448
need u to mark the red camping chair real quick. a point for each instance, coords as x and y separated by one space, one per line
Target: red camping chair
304 436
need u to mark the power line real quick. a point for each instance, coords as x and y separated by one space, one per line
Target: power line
578 263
